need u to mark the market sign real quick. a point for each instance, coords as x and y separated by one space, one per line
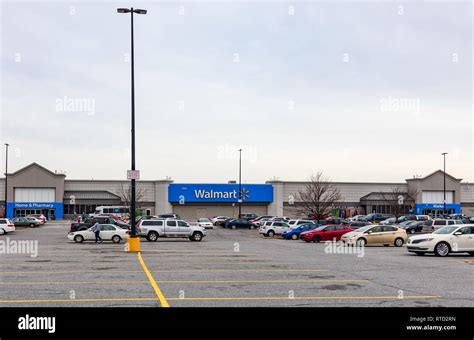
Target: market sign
215 193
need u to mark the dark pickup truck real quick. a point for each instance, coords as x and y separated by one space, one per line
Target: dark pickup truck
89 222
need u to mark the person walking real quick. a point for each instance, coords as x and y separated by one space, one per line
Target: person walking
96 230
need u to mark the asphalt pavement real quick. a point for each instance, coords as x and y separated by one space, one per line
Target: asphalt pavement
228 268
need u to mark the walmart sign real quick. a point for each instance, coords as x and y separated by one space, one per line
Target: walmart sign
215 193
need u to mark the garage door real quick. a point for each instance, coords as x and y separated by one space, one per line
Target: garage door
35 195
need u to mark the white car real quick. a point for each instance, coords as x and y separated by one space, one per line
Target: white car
272 228
205 223
390 220
108 232
357 218
6 226
449 239
296 223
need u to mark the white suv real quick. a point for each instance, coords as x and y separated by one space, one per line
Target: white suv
436 224
272 228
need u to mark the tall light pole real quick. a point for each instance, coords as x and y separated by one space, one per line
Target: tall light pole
6 177
444 182
240 183
133 232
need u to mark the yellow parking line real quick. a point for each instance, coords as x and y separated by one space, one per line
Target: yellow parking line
166 271
78 300
176 281
306 298
158 292
68 272
255 298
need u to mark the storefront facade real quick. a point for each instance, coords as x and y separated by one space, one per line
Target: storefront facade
37 190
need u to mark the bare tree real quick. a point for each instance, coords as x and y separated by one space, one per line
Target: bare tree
317 198
125 194
397 200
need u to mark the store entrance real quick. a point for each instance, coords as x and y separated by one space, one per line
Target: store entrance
437 213
49 213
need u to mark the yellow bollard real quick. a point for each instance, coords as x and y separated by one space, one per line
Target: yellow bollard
133 244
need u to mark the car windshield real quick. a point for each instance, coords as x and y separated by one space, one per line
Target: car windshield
320 228
203 220
445 230
363 229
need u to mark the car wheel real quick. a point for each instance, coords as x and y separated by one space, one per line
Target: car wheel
197 236
412 231
398 242
442 249
116 239
294 237
361 242
152 236
420 253
271 233
78 239
32 225
3 232
233 227
317 239
252 227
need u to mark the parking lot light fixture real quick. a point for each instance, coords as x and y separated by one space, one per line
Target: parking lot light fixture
240 183
6 178
133 232
444 182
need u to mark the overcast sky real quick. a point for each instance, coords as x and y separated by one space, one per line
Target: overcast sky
363 91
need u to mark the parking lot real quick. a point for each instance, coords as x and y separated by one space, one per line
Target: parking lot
228 268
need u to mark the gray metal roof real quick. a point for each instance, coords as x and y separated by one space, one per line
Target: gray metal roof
90 195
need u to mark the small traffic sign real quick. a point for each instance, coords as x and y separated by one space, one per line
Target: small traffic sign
133 174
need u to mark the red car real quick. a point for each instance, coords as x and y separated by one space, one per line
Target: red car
329 232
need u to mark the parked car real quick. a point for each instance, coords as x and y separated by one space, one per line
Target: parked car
412 226
357 218
240 223
357 225
40 217
432 225
89 222
248 216
295 223
260 219
294 232
205 223
26 222
169 215
272 228
376 217
108 232
279 219
220 220
333 220
170 227
325 233
376 234
446 240
6 226
390 220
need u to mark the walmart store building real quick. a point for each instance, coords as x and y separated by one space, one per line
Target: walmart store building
35 189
